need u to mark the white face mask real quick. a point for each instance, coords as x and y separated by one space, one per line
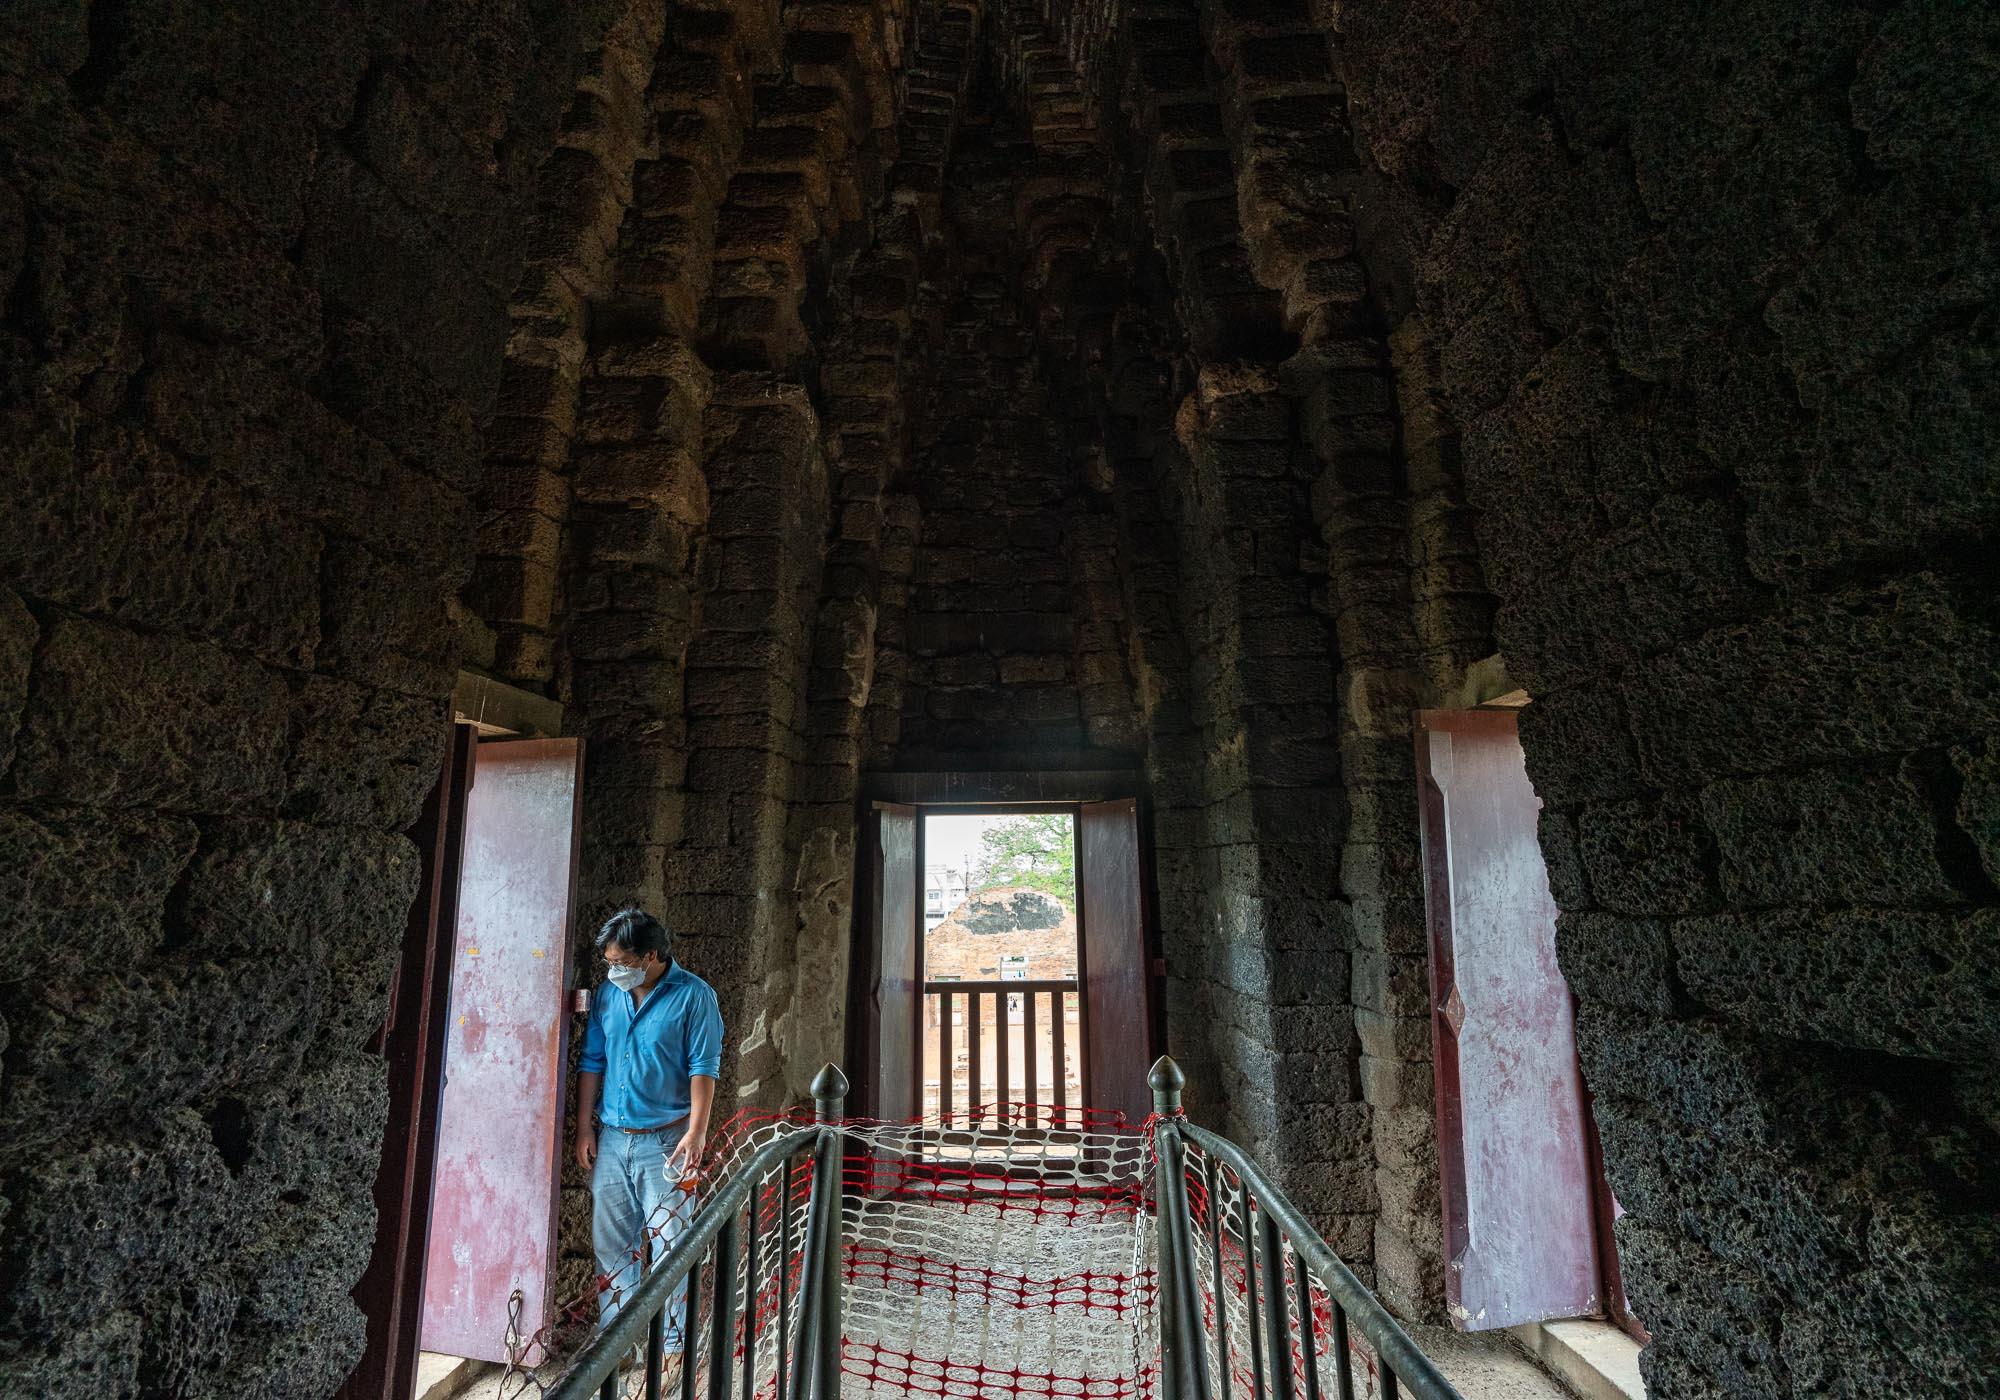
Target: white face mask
625 978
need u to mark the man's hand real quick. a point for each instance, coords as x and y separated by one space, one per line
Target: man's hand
686 1157
587 1084
685 1160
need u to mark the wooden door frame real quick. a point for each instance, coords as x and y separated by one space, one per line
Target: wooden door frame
412 1037
976 791
1604 1216
1447 1072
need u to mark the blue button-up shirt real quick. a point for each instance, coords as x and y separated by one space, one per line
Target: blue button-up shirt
647 1053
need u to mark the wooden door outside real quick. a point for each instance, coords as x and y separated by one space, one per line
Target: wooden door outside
1119 1013
1117 988
891 1031
1514 1153
493 1204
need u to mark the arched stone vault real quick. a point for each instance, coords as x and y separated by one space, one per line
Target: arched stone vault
1324 362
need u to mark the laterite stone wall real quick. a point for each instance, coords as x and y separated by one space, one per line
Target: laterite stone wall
255 271
1710 293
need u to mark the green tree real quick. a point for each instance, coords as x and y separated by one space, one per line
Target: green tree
1037 850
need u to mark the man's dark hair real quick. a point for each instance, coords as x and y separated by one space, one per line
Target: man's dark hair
638 933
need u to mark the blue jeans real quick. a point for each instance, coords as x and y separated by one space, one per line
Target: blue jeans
630 1189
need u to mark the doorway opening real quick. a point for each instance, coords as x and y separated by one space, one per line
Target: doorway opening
1007 959
1001 955
1527 1210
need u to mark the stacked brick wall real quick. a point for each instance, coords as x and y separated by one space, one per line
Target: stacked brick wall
588 193
994 631
1157 651
728 879
638 521
703 522
854 690
1190 178
1193 561
1251 841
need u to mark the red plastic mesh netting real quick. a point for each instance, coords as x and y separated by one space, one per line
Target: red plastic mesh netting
1004 1256
1007 1258
1229 1271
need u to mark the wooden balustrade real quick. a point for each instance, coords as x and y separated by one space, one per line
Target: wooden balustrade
1048 1068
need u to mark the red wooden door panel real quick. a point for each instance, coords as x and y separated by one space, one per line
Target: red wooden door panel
1117 1032
493 1207
1513 1153
893 990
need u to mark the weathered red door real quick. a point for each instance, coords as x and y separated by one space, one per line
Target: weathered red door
1118 1041
493 1205
1513 1155
893 1053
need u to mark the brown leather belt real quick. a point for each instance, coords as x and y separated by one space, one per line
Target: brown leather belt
648 1132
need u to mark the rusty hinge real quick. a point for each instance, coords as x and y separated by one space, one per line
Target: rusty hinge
580 1001
1159 967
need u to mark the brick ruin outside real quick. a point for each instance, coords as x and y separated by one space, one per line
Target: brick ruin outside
803 390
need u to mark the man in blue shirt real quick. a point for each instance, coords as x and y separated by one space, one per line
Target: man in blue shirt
651 1056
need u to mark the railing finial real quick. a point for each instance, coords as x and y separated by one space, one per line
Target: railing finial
1167 1081
829 1091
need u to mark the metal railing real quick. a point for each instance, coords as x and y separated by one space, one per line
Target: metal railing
1297 1307
1048 1049
720 1245
1252 1303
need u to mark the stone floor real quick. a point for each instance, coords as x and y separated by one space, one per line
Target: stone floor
488 1387
1487 1365
442 1377
455 1379
1596 1359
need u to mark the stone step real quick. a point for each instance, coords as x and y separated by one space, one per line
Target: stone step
441 1377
